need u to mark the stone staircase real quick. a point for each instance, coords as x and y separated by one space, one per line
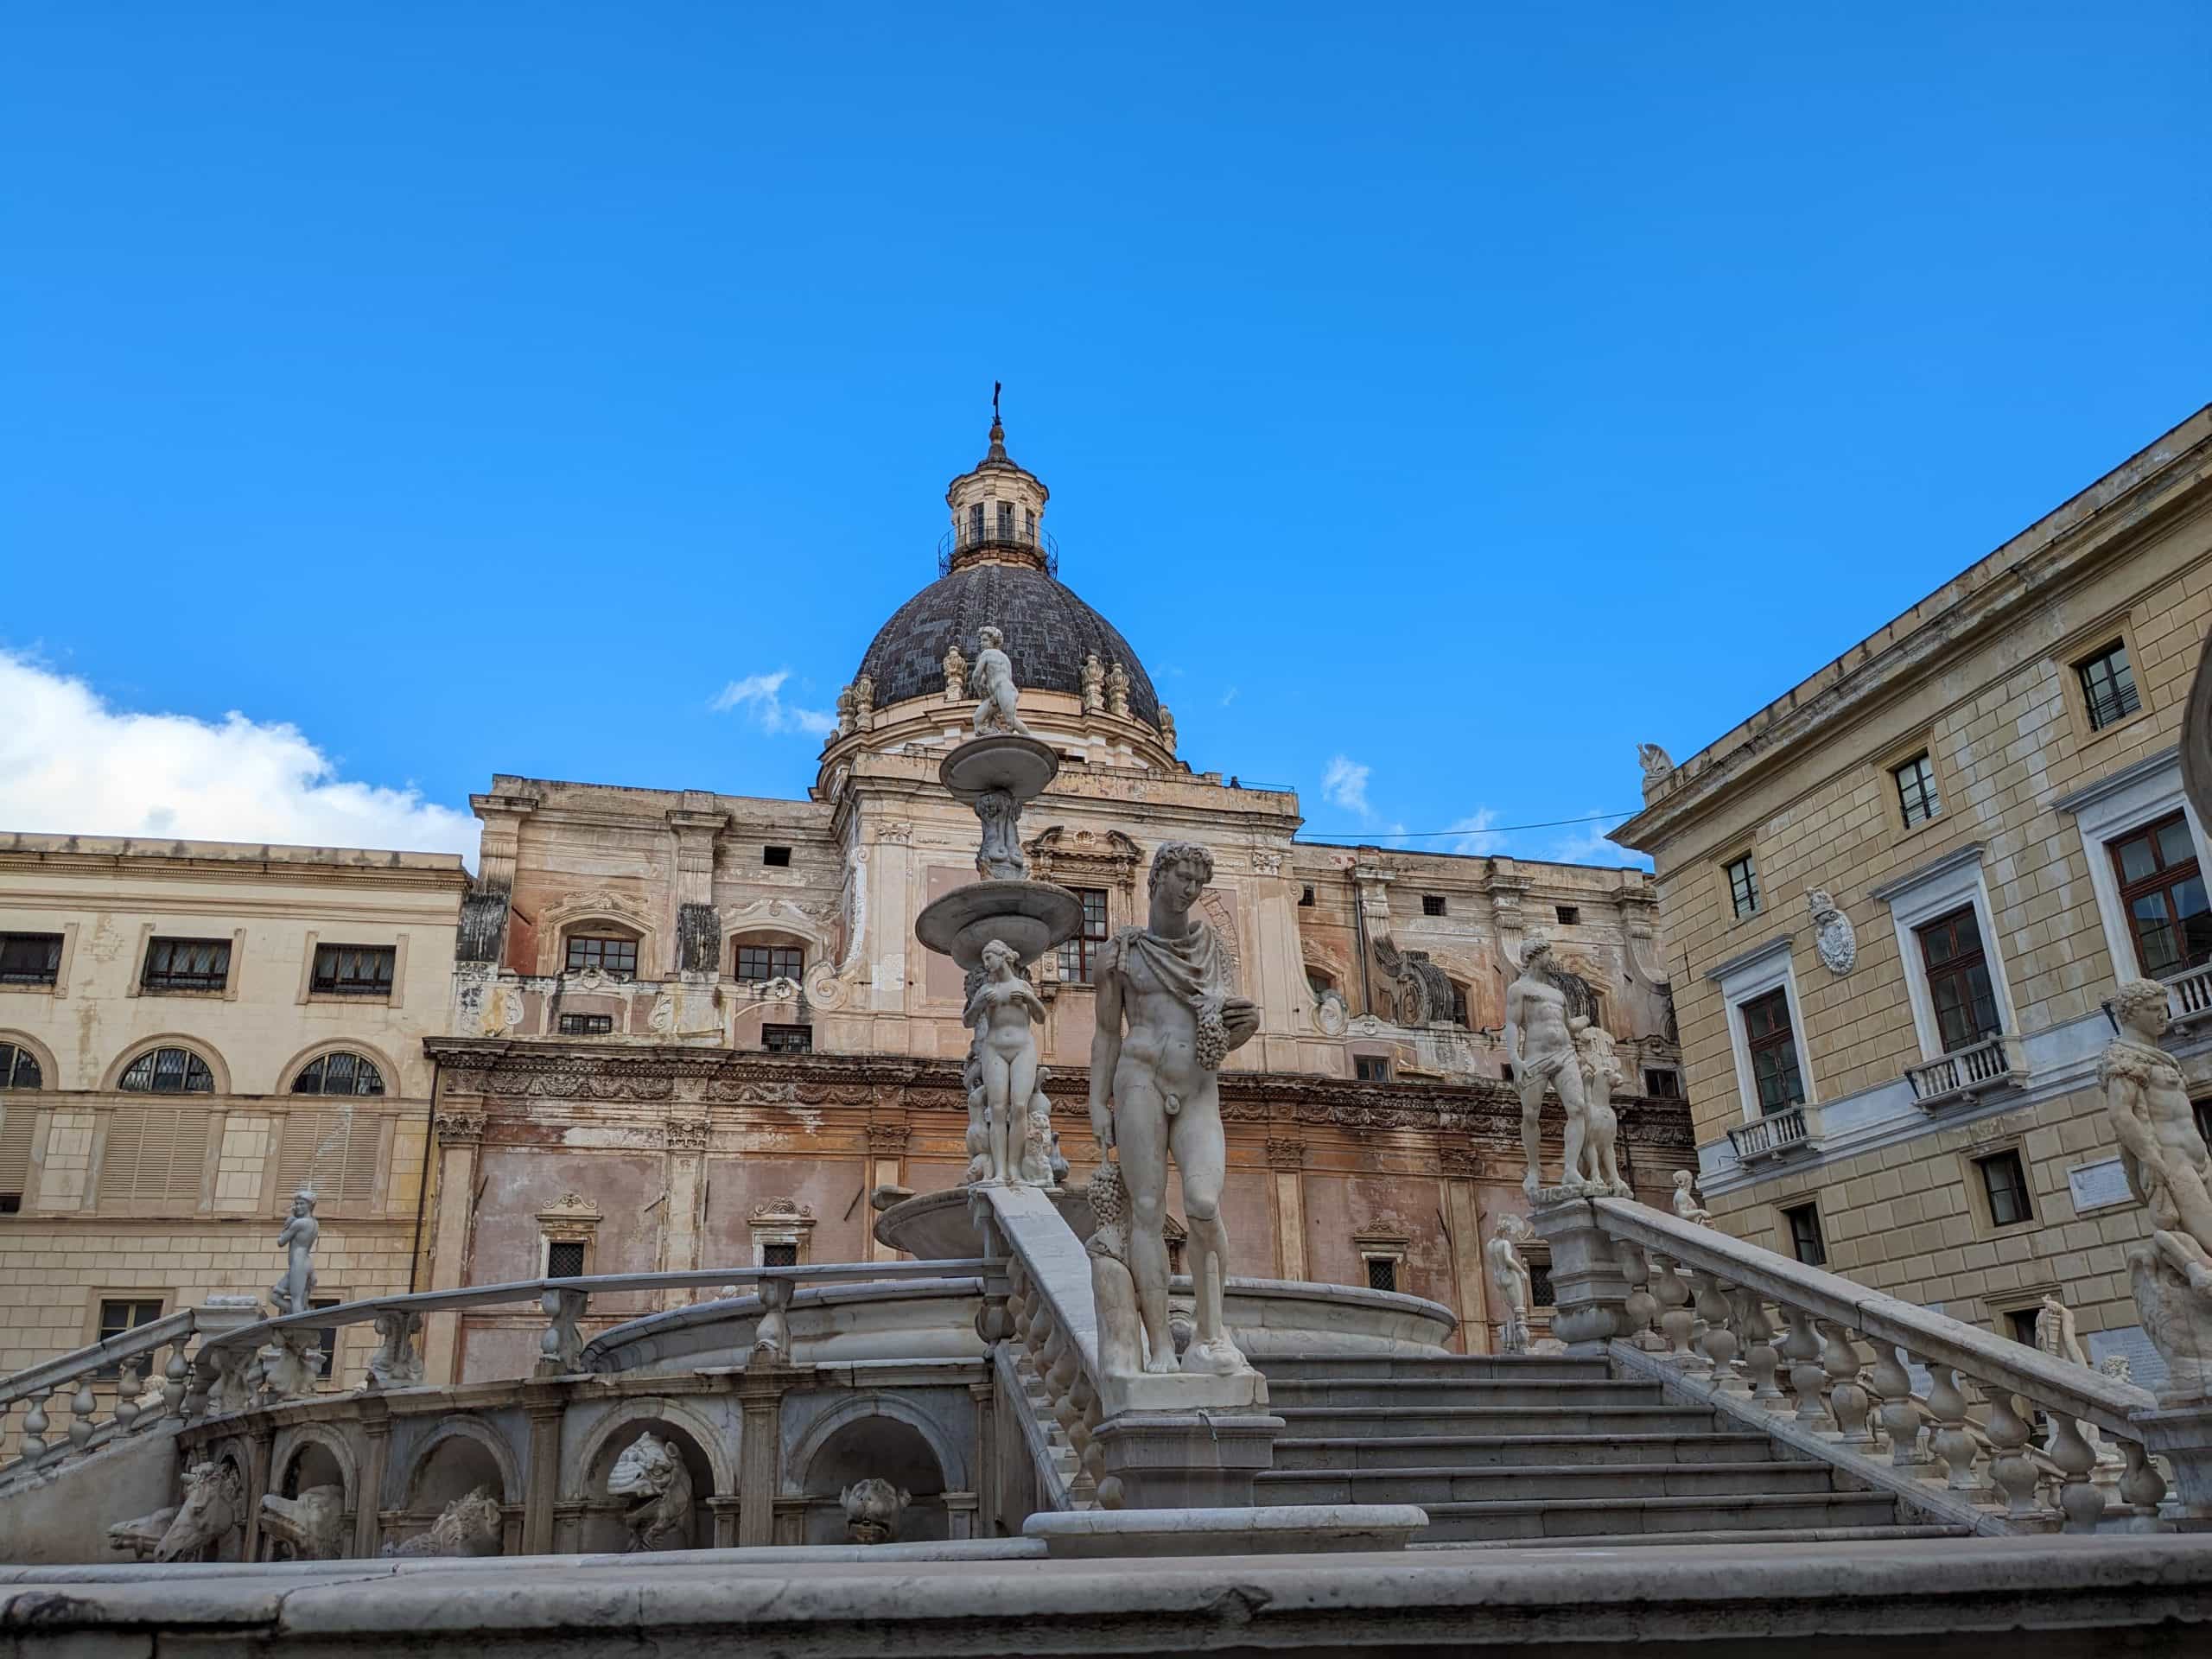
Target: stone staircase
1538 1450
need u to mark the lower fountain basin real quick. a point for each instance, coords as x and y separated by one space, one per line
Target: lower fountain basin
1030 917
936 1226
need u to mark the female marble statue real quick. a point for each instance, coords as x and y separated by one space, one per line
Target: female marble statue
1000 1013
1509 1283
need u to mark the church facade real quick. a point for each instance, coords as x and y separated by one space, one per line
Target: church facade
690 1027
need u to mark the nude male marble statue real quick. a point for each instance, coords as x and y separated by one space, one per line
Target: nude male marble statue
1154 1093
993 682
291 1294
1541 1049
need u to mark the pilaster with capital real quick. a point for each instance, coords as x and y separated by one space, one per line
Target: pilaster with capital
1461 1168
1287 1158
887 1158
687 1138
458 1121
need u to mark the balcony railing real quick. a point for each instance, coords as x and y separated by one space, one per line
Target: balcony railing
2189 995
1963 1073
1039 543
1776 1133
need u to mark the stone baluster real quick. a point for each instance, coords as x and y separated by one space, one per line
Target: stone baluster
1802 1347
1899 1413
1717 1344
1675 1318
34 1427
2080 1498
2142 1485
561 1346
177 1382
1640 1308
1756 1332
2009 1466
1955 1446
1848 1401
126 1397
83 1407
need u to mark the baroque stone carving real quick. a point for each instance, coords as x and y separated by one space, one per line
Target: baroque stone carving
872 1510
955 674
1166 728
1658 767
1117 689
2170 1170
848 712
1113 1286
1833 934
292 1292
312 1525
470 1526
1157 1095
1685 1200
994 709
1284 1154
1085 859
864 702
651 1472
1094 684
1332 1014
398 1362
1416 991
688 1134
213 1505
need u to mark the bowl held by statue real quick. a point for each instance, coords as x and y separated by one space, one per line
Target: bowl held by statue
1022 766
1031 917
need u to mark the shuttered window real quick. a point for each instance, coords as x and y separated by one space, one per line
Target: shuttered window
154 1155
17 1118
335 1153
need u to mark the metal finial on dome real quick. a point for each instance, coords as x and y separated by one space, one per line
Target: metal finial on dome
998 427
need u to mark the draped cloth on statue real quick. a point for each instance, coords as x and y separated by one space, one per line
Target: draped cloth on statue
1196 969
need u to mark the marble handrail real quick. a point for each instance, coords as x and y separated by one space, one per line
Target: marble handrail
1053 1321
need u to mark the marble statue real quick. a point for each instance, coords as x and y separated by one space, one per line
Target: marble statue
1600 1169
1167 729
1117 689
293 1293
311 1525
995 712
651 1471
1037 1142
1156 1094
955 674
290 1364
470 1526
1541 1049
1685 1204
2170 1170
1509 1282
872 1510
397 1362
1001 1013
1113 1288
1094 684
1000 858
2055 1334
1658 765
214 1504
979 1131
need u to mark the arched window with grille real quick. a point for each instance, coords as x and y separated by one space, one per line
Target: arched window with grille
342 1072
19 1067
168 1071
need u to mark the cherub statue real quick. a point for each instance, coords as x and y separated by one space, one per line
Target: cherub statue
1685 1204
955 674
1094 684
292 1292
996 712
1000 1013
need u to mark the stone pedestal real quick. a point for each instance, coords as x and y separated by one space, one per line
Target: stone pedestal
1186 1460
1589 1291
2182 1436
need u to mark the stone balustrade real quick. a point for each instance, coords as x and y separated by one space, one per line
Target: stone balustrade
1048 1325
1792 1130
1966 1072
1771 1337
2189 996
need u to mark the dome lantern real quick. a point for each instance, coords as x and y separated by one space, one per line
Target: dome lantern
998 510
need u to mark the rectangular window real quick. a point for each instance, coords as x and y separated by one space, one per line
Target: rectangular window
326 1338
587 1025
1006 521
354 970
1805 1241
788 1040
2020 1325
1539 1263
1661 1083
29 958
187 965
615 956
154 1155
1568 914
2005 1183
125 1313
1773 1046
779 1253
1432 903
776 858
1958 979
1371 1068
1382 1273
1079 956
1743 886
2163 892
1029 525
564 1258
1305 897
1917 797
975 522
2108 686
761 962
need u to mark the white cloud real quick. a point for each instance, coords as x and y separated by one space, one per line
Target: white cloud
1345 784
761 697
1585 843
71 764
1473 838
1228 697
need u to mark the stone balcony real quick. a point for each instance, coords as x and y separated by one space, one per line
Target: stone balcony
2189 997
1794 1128
1994 1064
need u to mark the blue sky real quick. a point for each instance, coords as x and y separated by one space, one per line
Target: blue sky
1442 400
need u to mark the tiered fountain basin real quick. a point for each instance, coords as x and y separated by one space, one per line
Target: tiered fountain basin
1029 918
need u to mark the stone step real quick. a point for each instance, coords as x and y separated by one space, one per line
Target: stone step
1735 1536
1355 1421
1665 1519
1500 1368
1533 1484
1496 1451
1576 1395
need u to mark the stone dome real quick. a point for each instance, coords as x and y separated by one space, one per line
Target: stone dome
1048 633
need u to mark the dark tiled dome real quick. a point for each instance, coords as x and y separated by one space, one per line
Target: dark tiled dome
1048 633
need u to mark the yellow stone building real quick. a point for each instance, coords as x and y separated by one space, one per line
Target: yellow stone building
1897 896
189 1033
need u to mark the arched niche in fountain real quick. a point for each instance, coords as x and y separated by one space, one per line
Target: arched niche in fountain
874 1444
